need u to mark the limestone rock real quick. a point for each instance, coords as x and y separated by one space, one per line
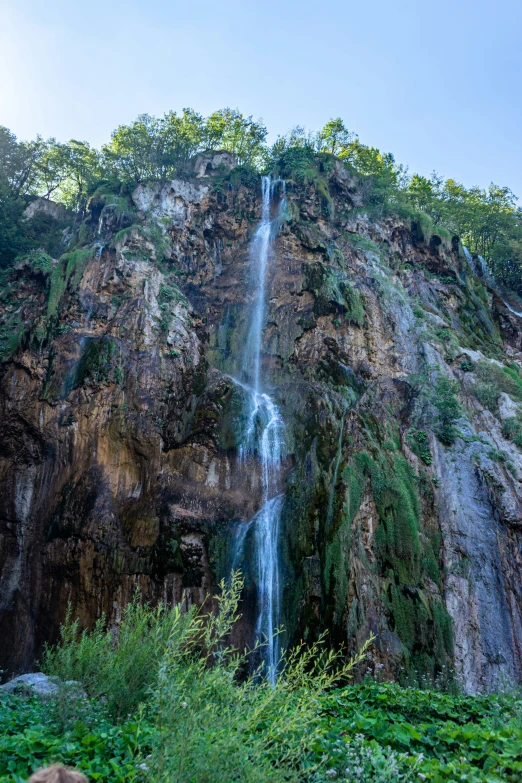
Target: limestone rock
208 163
120 466
44 206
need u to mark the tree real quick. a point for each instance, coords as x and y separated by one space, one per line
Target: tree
19 162
335 138
81 169
244 137
154 148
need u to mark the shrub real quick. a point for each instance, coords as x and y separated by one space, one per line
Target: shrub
487 395
419 443
512 430
116 664
449 410
493 379
207 724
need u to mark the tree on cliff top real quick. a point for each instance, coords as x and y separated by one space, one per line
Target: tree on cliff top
244 137
160 148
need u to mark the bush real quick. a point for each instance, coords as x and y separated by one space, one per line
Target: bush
449 410
512 430
492 380
204 721
118 665
487 395
207 724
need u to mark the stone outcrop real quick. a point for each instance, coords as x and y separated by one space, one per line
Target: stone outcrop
119 457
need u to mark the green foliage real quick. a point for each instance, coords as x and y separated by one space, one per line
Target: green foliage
449 410
488 221
471 739
487 395
40 261
120 668
492 380
161 148
32 735
244 137
202 721
419 443
68 271
512 430
153 148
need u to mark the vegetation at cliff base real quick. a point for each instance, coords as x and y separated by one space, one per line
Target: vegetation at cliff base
169 700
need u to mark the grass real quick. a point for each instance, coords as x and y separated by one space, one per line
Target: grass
512 430
492 380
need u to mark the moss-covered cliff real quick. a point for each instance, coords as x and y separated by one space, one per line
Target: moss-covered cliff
398 375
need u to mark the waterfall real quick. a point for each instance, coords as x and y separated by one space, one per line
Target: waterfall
263 438
483 271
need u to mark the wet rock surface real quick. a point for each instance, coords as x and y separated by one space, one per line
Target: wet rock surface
119 463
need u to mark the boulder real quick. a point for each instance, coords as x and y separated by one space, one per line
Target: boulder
42 685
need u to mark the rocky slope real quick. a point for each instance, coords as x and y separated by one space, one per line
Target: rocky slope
397 373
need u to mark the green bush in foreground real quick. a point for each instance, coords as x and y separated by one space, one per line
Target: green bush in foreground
208 721
200 722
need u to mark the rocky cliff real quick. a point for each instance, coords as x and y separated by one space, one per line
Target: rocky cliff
397 372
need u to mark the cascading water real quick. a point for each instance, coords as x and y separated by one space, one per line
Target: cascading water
486 275
263 438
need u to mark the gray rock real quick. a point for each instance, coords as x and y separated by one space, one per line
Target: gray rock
43 206
207 163
42 685
506 406
174 200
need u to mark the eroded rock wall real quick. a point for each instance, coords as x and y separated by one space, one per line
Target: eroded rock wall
119 464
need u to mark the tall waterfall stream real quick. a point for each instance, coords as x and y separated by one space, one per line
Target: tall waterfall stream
263 437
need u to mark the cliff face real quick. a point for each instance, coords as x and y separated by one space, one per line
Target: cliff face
394 368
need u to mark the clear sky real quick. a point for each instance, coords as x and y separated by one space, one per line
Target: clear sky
438 83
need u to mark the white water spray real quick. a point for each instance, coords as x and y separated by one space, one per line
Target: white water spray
263 438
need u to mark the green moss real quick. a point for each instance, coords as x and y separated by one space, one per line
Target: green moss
422 228
125 233
11 335
38 260
487 395
445 239
97 362
492 380
430 563
419 443
68 272
396 498
449 410
333 292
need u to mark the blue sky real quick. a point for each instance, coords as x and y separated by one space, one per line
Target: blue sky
439 84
